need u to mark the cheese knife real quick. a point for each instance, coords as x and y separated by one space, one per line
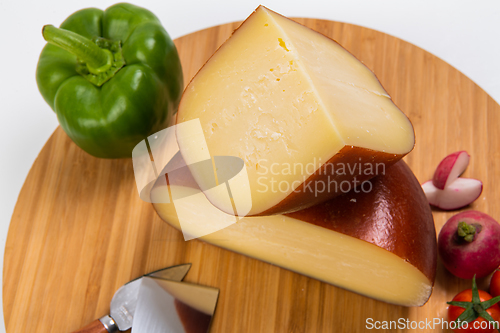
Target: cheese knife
124 302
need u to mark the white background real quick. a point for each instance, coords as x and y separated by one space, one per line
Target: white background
466 34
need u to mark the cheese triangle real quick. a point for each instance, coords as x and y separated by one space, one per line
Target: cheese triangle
290 103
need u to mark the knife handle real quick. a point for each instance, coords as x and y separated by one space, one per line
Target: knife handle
104 325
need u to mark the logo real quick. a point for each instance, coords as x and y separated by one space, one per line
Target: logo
191 182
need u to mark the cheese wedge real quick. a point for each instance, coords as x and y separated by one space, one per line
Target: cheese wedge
307 118
380 243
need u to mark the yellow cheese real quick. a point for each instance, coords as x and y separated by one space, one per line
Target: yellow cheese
305 248
286 100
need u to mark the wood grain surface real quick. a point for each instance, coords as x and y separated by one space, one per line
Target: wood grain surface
79 230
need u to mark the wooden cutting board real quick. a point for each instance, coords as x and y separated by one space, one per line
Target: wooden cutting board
79 230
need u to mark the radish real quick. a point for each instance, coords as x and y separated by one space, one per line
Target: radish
450 168
446 190
460 193
469 243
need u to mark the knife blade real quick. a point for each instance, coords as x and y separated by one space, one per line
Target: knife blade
174 307
124 301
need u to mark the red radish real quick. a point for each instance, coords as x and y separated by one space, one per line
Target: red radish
469 243
450 168
460 193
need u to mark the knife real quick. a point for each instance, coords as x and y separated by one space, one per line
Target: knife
124 302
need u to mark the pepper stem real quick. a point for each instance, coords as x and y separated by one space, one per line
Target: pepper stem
466 231
98 60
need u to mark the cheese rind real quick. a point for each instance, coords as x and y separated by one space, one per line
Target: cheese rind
277 94
381 244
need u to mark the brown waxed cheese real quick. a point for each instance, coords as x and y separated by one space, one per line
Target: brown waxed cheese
295 107
380 242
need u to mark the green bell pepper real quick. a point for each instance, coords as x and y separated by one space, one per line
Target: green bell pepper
112 77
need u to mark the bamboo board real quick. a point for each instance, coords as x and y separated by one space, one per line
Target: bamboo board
79 230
